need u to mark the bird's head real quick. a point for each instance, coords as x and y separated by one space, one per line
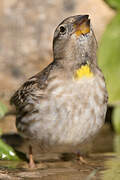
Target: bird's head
74 42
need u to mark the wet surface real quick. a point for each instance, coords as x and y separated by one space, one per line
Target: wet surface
102 164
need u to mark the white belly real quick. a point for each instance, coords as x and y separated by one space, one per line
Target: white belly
72 114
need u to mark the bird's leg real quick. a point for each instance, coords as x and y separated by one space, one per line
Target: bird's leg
81 158
31 161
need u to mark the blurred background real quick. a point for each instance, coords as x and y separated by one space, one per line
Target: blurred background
26 33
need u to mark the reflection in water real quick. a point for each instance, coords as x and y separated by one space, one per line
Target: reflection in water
112 169
112 165
116 143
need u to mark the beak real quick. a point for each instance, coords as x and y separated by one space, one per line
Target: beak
81 25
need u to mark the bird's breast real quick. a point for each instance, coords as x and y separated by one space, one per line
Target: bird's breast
73 112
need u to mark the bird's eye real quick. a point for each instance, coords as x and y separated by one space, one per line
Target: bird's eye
62 30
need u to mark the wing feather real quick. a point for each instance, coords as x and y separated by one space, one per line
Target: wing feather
31 89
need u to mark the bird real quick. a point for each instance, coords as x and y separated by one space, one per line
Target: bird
65 104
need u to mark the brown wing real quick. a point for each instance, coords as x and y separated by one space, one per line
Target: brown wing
31 89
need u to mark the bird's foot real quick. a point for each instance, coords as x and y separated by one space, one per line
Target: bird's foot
81 159
32 164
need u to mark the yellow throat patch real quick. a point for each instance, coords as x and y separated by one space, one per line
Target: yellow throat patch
83 71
